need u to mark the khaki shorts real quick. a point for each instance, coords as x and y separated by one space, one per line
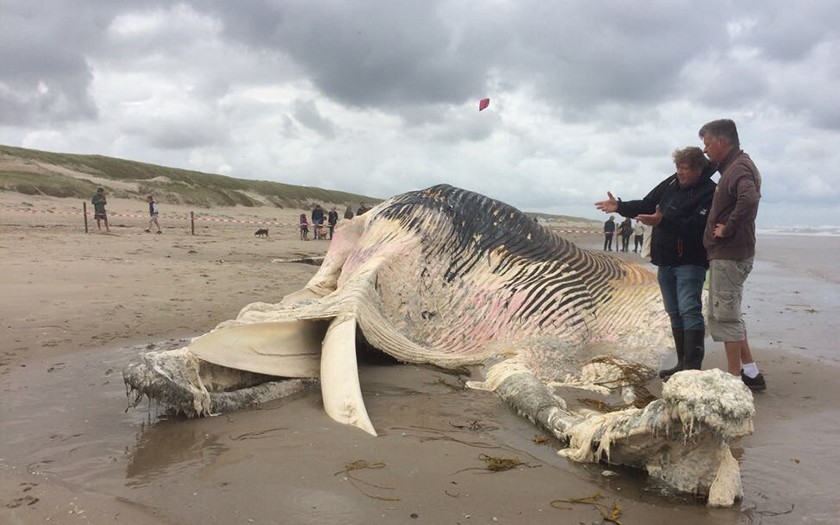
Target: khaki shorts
726 288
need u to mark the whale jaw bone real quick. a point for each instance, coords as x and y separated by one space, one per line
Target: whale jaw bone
297 349
340 389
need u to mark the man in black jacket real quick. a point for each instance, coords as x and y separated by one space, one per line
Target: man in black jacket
677 209
318 221
609 231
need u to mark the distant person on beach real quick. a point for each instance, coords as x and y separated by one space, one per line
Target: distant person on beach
730 242
677 209
638 236
332 220
153 215
362 209
304 227
318 221
609 231
625 231
317 215
99 213
348 213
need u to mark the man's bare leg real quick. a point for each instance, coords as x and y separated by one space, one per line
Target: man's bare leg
746 355
733 356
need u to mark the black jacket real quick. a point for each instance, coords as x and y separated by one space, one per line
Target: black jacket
678 239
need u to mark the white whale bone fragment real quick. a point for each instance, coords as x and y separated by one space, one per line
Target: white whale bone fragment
340 389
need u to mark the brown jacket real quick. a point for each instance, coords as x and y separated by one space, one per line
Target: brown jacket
735 205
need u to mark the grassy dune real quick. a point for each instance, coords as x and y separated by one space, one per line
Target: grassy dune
34 172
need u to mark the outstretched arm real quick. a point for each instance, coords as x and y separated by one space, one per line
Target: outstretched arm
608 206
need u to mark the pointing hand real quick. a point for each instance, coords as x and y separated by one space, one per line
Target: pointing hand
608 206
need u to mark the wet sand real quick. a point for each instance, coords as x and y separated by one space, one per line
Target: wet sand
78 306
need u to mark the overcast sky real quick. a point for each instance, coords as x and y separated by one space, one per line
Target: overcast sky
381 97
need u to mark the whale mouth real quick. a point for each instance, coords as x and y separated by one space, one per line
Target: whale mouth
244 365
185 385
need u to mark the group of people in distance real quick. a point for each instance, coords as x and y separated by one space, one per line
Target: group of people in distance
320 229
318 226
624 230
700 225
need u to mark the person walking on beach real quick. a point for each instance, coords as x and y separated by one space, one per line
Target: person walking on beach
625 231
99 213
638 236
153 215
332 220
729 239
677 210
348 213
609 231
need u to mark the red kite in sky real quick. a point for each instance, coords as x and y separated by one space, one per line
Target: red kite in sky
483 103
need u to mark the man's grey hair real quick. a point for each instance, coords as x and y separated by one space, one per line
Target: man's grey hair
721 129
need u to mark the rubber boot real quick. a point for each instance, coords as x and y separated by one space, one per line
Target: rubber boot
679 344
695 350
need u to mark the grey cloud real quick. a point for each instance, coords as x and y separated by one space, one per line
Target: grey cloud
40 82
381 54
47 44
581 54
306 112
789 32
174 136
594 54
174 132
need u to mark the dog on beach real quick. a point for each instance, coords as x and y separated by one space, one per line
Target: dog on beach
262 232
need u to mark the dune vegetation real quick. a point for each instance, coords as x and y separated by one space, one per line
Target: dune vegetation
35 172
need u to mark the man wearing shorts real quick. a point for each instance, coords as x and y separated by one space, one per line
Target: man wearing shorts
99 213
729 239
153 214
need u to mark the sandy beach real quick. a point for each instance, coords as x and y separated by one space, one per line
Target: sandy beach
77 306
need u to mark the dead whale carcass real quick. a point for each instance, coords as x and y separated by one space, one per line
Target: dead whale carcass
451 278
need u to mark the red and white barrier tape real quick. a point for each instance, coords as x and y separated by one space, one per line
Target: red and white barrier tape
237 221
215 219
140 216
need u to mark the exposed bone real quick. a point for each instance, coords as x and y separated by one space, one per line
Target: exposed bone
340 387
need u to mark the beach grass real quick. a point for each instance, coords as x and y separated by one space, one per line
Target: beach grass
39 172
51 185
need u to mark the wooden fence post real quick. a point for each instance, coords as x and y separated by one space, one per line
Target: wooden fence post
84 212
192 223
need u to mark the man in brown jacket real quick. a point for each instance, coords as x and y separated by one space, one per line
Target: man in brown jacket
730 244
